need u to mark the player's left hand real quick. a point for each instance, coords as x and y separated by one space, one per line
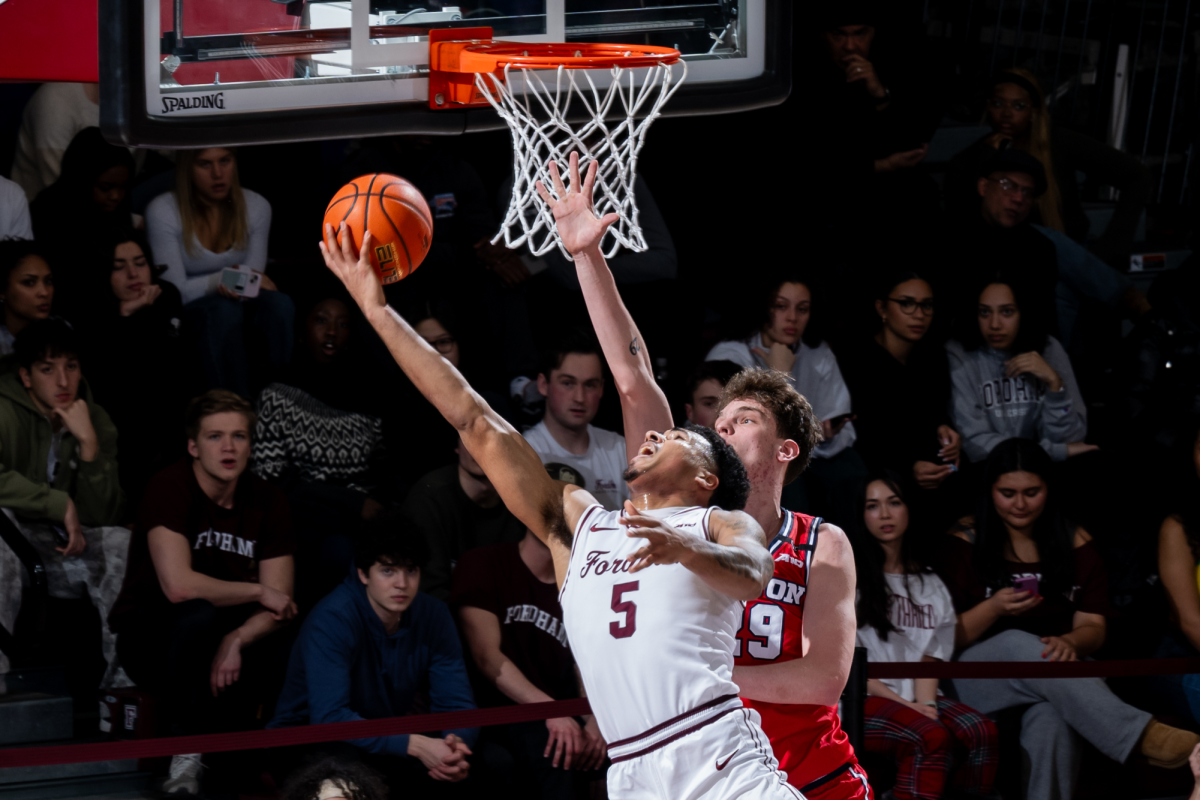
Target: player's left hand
665 544
1058 649
574 215
594 747
354 270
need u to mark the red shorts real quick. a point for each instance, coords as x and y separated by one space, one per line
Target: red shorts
851 784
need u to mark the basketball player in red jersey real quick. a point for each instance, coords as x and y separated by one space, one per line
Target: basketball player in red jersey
660 583
774 432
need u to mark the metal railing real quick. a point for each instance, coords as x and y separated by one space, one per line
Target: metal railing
1123 71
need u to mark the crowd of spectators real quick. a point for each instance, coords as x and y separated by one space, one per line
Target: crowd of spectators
276 529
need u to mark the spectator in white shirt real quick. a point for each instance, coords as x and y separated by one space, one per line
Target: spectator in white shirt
14 212
208 224
52 117
572 381
789 339
905 614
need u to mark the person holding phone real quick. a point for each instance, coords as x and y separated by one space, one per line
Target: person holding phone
788 338
207 231
1032 588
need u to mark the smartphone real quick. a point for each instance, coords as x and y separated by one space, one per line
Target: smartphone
242 283
1026 584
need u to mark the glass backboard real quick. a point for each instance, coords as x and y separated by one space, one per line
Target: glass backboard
187 73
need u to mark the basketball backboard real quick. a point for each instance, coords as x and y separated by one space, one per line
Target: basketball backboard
191 73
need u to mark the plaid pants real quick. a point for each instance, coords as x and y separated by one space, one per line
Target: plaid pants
961 741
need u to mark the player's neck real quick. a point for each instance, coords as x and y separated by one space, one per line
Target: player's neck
764 505
573 440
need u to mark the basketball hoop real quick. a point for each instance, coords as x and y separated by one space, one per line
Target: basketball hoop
468 69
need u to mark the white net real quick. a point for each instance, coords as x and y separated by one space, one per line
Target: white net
613 135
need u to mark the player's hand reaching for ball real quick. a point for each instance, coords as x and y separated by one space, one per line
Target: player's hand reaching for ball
664 544
353 269
574 215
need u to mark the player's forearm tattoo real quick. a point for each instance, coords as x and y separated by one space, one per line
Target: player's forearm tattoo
634 347
740 562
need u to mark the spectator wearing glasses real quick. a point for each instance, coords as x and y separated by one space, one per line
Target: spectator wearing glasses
1016 111
1059 273
900 380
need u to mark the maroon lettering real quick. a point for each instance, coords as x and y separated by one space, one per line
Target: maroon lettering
592 558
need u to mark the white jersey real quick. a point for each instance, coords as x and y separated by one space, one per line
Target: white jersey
653 646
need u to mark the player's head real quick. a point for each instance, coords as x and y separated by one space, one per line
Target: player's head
704 391
694 459
1009 183
389 557
572 381
47 356
26 284
219 424
771 426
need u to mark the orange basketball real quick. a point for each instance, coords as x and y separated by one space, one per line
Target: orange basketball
395 213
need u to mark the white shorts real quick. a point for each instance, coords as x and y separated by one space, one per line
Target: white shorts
715 753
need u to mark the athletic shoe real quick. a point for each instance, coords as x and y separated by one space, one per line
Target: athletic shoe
183 781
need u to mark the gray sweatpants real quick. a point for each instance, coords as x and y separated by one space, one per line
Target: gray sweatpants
1060 711
96 573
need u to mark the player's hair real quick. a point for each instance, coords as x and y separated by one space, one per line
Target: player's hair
353 778
1031 329
1052 532
390 539
794 417
216 401
233 225
12 253
576 340
874 595
44 339
720 371
734 486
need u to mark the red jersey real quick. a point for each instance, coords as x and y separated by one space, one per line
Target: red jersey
808 740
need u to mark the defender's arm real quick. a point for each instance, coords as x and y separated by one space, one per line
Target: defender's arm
829 628
644 407
507 459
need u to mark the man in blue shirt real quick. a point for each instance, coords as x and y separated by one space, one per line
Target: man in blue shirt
366 651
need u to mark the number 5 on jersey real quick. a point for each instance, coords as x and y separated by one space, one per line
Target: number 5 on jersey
625 629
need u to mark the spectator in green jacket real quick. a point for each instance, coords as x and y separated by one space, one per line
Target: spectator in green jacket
58 480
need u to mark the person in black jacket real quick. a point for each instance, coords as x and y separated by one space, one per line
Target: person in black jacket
130 329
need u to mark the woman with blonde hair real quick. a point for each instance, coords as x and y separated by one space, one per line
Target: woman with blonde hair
207 225
1017 114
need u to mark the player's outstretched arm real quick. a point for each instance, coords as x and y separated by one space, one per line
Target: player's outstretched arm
643 405
829 628
733 559
507 459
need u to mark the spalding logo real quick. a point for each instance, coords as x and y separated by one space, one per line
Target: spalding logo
184 103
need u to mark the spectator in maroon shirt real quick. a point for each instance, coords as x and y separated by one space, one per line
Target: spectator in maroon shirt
507 605
1032 587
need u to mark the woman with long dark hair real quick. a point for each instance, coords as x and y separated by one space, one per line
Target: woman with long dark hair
1010 378
1032 588
905 614
788 337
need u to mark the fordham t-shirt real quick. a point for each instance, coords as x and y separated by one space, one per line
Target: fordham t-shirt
495 579
600 470
921 609
1054 616
225 543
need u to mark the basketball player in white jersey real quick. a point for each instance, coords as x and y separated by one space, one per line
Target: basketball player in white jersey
650 595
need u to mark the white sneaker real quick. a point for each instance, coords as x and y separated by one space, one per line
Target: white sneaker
184 777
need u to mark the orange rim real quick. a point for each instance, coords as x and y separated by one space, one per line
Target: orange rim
479 57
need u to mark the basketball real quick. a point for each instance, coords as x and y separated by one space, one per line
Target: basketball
395 213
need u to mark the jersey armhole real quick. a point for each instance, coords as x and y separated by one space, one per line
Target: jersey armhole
578 534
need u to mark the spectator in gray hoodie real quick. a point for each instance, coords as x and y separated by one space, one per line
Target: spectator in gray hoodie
1010 379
